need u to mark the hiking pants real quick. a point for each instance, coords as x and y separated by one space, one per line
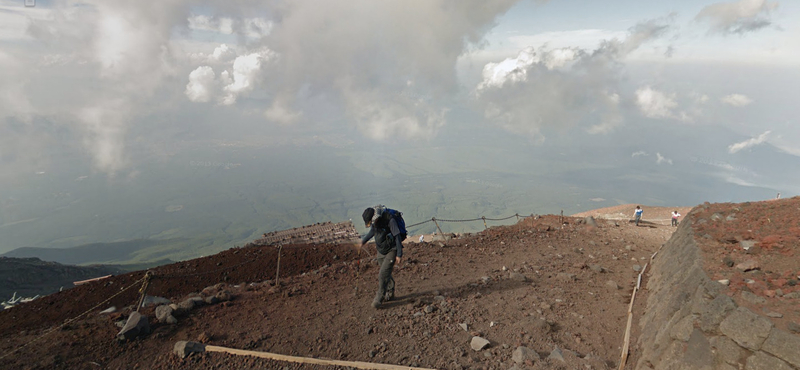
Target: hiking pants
637 219
674 222
385 280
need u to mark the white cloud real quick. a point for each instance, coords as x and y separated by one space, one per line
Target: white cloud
246 70
222 53
201 22
733 148
636 154
201 83
738 17
544 87
516 69
736 100
655 104
661 159
585 39
280 112
699 98
253 28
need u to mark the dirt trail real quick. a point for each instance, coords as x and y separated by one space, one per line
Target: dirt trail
531 284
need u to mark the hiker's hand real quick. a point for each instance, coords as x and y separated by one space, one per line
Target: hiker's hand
397 260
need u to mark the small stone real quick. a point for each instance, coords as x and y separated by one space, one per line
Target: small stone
747 244
478 343
566 277
556 355
597 268
724 282
183 348
111 309
523 354
516 276
636 268
773 314
752 298
464 326
162 312
224 295
793 327
372 353
212 300
748 265
186 305
611 284
728 261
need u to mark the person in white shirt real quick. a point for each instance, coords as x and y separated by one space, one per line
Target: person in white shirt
675 216
637 215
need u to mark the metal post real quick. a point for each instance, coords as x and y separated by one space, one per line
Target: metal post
484 222
143 290
517 216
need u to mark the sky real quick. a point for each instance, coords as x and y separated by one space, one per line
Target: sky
112 79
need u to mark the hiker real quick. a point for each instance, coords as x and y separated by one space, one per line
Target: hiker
675 216
637 215
388 228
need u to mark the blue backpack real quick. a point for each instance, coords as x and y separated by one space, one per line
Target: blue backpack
401 224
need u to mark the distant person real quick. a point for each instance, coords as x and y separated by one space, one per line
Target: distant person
389 230
779 196
675 216
421 238
637 215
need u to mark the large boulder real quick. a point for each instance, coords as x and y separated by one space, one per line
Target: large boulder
137 325
163 312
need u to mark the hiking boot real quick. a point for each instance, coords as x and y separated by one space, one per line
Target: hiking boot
377 302
389 296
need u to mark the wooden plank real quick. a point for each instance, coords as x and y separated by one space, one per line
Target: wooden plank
626 344
308 360
89 280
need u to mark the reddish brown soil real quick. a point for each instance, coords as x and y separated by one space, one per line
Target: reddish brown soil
774 226
326 313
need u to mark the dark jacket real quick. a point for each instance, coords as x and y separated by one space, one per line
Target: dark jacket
386 233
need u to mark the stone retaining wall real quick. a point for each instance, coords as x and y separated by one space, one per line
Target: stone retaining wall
691 324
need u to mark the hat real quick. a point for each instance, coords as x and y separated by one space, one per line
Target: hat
367 215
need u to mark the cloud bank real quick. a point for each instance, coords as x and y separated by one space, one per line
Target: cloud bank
733 148
545 88
736 100
738 17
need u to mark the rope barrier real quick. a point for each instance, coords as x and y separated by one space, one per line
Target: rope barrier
73 319
419 223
